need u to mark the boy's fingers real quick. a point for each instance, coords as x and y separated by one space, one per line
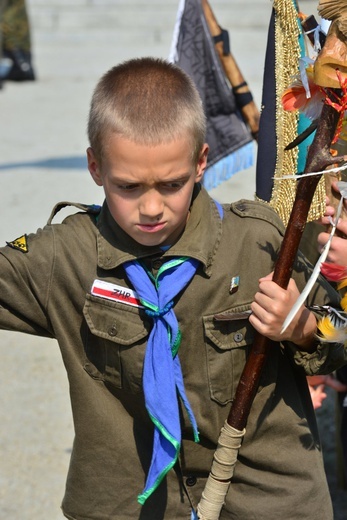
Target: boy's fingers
258 321
322 239
258 312
324 221
266 278
275 292
321 392
329 210
269 293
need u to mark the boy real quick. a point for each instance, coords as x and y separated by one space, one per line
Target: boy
153 300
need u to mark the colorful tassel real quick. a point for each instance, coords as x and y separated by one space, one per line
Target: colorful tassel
296 97
330 332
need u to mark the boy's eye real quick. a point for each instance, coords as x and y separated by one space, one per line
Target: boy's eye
127 187
174 185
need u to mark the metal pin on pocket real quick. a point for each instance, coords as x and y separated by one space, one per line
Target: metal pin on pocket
234 284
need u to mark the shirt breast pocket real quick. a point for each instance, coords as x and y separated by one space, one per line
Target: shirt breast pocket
115 342
228 338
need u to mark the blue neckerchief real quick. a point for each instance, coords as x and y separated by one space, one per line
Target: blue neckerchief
162 374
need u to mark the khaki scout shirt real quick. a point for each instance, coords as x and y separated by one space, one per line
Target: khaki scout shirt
47 291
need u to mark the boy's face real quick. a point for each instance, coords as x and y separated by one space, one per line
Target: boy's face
148 188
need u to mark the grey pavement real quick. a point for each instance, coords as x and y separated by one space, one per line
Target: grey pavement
42 161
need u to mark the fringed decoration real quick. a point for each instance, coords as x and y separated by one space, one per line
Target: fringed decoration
225 168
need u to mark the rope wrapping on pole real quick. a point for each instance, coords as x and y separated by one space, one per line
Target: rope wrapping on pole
221 473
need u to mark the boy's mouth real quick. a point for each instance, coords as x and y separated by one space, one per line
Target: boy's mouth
151 228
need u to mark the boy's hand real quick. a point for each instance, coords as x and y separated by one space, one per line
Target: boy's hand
338 248
270 308
317 395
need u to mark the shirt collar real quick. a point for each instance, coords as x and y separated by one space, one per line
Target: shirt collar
199 239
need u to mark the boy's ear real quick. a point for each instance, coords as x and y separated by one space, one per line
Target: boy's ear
93 167
202 163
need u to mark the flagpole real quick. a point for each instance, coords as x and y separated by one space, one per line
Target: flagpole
241 91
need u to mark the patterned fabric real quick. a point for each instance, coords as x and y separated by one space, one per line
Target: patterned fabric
227 135
277 127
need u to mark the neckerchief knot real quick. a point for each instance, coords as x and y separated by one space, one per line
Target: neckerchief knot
159 312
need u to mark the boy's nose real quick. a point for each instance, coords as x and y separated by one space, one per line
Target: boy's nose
151 205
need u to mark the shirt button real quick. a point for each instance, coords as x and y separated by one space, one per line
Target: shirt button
191 481
157 263
112 331
238 336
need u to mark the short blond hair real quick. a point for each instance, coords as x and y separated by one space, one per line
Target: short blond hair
149 101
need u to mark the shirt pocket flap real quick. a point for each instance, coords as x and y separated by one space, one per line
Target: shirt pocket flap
228 337
229 329
114 321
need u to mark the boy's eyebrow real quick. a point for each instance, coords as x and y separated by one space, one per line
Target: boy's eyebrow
181 177
177 178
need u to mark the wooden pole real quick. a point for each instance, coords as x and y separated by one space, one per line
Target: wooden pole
319 158
249 111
